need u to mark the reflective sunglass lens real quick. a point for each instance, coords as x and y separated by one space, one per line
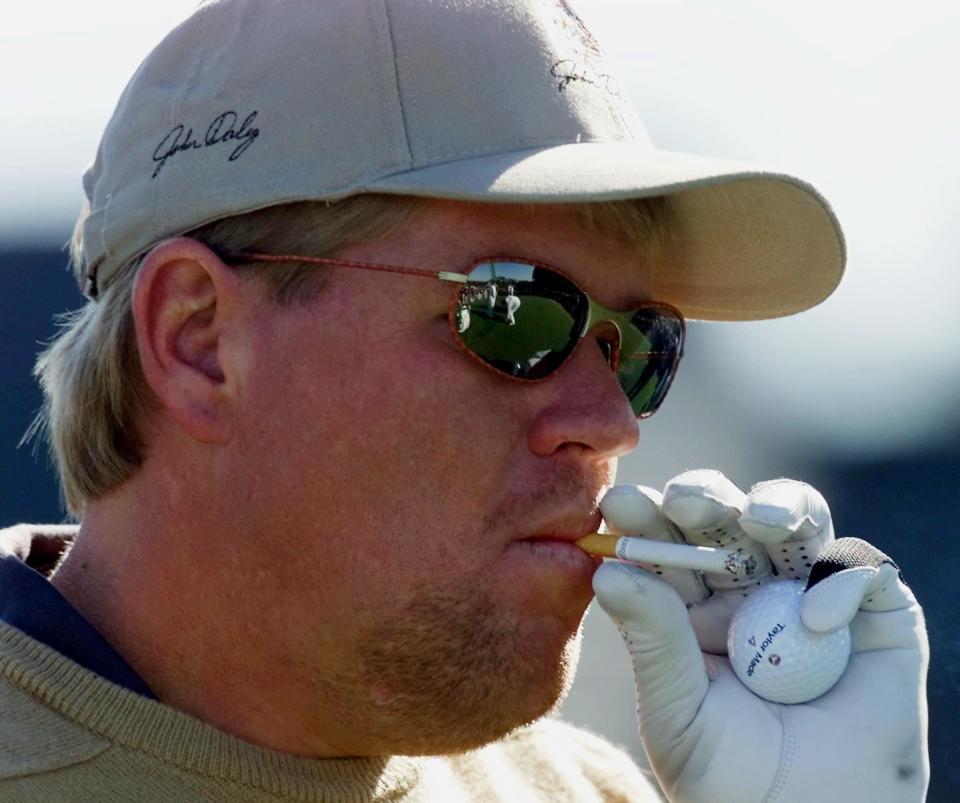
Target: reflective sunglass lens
521 319
525 320
650 352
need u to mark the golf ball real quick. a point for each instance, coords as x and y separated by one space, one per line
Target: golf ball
775 655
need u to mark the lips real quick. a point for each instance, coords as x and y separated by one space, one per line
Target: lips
546 554
555 539
569 528
547 568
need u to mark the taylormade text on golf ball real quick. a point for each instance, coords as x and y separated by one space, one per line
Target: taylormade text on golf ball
775 655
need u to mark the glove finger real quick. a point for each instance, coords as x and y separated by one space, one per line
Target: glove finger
711 621
849 576
706 507
668 666
793 522
634 510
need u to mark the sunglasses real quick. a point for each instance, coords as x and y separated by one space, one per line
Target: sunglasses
524 320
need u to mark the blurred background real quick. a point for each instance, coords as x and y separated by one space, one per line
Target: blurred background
858 397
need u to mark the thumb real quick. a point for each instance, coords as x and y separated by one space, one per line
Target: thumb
667 662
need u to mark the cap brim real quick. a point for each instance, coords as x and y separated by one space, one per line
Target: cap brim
745 244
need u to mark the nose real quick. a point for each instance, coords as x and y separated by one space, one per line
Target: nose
583 409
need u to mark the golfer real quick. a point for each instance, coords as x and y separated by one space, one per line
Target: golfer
325 543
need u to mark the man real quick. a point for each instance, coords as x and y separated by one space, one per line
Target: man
512 303
325 527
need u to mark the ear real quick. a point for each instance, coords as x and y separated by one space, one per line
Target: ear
184 300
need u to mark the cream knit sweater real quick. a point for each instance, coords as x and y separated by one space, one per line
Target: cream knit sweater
68 735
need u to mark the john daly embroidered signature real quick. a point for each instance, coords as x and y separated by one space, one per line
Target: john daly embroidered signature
224 128
567 71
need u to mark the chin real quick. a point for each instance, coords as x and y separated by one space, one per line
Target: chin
534 686
454 672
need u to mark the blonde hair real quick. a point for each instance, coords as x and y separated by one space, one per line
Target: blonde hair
96 398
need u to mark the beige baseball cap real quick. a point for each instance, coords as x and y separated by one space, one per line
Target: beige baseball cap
252 103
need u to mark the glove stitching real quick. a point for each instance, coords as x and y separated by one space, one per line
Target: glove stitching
788 752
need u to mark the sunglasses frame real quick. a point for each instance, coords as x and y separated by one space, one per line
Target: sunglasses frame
596 313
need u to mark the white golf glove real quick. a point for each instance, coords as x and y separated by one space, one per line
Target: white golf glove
708 738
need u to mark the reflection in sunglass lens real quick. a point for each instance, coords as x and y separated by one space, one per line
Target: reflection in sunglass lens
649 355
521 319
525 320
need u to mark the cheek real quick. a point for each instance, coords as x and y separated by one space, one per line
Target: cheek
402 442
436 435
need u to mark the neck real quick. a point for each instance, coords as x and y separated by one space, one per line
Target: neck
181 605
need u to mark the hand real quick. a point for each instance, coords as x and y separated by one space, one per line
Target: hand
708 738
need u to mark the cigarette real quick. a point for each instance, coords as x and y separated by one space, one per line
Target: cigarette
664 553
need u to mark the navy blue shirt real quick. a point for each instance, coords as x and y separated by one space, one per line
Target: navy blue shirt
30 603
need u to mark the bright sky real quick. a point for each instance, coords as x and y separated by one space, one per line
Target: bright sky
857 98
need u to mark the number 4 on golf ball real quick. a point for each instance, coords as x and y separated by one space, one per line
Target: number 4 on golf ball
775 655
